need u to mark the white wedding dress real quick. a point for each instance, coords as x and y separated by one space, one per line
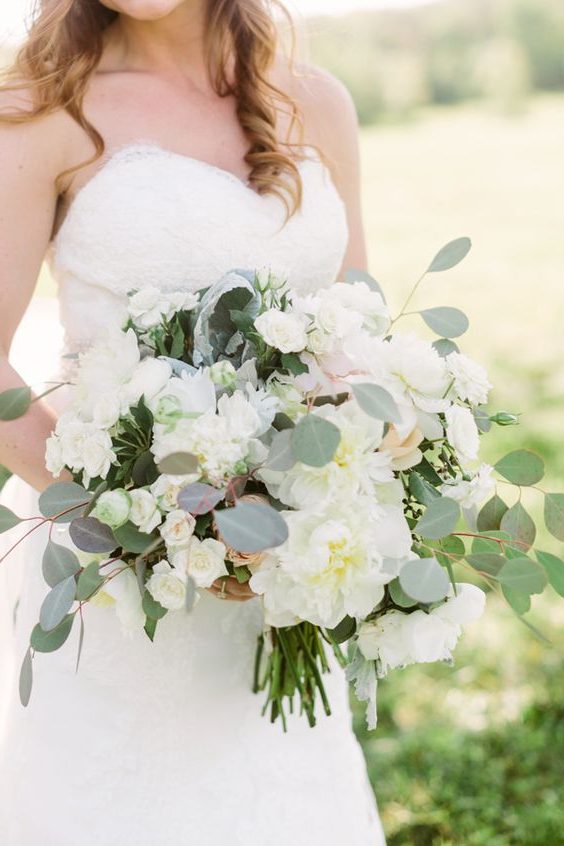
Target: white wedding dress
164 744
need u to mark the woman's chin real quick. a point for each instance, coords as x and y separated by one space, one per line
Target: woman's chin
144 10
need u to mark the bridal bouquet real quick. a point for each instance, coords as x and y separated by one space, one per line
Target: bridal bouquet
302 444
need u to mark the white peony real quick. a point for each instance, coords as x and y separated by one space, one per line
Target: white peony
358 297
167 586
112 508
203 560
474 492
105 368
428 638
382 639
188 394
144 511
285 331
178 528
470 378
465 607
462 432
147 380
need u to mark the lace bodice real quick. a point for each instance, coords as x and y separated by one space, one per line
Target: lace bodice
153 217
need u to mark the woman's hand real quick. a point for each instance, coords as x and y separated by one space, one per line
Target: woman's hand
231 589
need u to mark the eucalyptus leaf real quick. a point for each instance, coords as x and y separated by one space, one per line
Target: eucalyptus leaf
445 321
57 604
554 568
8 519
178 464
26 679
150 628
344 630
519 601
131 539
518 523
491 514
199 498
376 402
14 403
251 527
91 535
399 596
293 363
315 440
554 514
487 562
191 593
439 519
43 641
281 455
424 580
89 582
58 563
521 467
450 255
5 474
421 489
80 644
444 347
450 549
523 575
64 501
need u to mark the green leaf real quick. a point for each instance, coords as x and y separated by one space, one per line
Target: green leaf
353 275
242 574
521 467
421 489
199 498
89 582
91 535
64 497
344 630
8 519
520 602
445 321
426 469
281 455
26 679
144 470
131 539
150 628
439 519
554 567
153 609
491 514
450 255
43 641
251 527
487 562
554 514
191 593
178 464
399 596
58 563
294 364
482 419
376 402
518 523
523 575
57 604
14 403
80 644
450 549
424 580
444 347
315 440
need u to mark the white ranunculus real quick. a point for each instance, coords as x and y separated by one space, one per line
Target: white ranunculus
470 378
222 373
285 331
203 560
462 432
178 528
167 586
383 640
54 456
474 492
112 508
465 607
144 511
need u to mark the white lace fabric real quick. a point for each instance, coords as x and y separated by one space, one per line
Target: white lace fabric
164 744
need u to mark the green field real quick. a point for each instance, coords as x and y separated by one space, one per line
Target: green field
473 755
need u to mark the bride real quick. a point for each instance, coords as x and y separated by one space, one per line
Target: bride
163 142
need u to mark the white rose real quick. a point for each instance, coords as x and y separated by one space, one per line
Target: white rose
167 586
178 528
190 393
470 378
319 342
54 456
144 510
283 330
462 432
474 492
204 560
467 606
166 489
97 454
112 508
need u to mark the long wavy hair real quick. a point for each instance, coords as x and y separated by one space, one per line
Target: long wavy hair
65 43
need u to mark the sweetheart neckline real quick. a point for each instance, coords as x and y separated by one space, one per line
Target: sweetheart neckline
157 149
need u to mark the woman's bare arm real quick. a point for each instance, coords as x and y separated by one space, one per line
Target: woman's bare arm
31 156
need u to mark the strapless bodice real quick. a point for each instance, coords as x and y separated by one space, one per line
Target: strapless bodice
150 216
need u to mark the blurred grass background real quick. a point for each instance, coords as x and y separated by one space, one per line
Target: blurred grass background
462 111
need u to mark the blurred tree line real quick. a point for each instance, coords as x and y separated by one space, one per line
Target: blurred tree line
394 61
